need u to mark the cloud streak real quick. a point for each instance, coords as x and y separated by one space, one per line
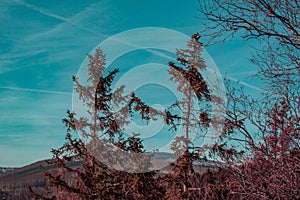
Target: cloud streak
49 14
246 84
32 7
35 90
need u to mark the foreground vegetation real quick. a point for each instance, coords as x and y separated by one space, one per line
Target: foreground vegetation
267 167
258 144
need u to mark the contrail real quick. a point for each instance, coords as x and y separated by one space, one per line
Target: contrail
210 70
44 12
32 7
243 73
246 84
35 90
86 29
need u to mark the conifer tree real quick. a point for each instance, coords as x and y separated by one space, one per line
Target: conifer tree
82 164
194 118
186 73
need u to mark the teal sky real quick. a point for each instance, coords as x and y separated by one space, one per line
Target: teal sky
43 43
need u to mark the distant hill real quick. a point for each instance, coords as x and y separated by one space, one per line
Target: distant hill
5 169
24 172
14 181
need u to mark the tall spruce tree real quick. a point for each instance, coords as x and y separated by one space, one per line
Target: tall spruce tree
87 167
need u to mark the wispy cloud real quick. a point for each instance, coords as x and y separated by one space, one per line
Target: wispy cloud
63 40
40 10
249 73
246 84
18 55
7 65
49 14
35 90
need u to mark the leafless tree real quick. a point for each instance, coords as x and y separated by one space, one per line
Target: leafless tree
266 128
273 24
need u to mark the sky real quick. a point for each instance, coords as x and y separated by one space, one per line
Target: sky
43 43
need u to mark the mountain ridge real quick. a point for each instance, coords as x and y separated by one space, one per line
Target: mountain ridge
15 181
